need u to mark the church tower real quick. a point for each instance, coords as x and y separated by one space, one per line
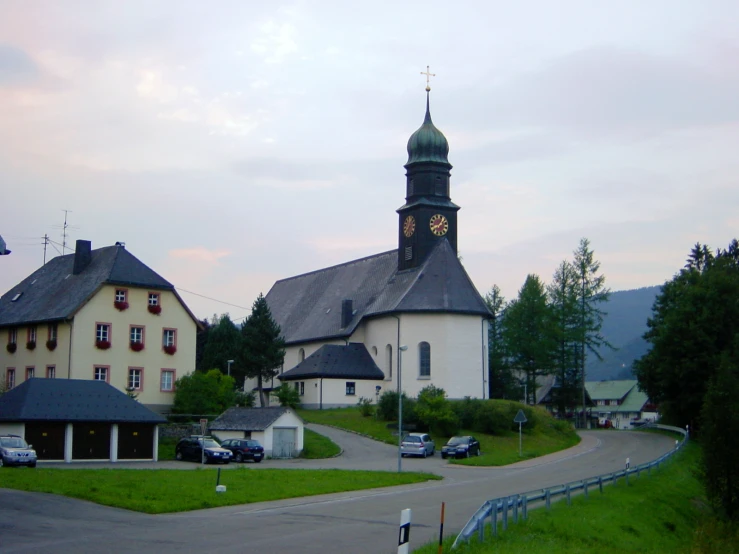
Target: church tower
428 215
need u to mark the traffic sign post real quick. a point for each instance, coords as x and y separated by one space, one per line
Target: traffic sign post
203 429
520 418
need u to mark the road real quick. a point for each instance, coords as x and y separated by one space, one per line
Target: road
358 522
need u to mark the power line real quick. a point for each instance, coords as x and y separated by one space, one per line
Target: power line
213 299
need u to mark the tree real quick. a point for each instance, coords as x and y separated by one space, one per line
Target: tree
202 393
287 395
435 411
563 299
262 349
694 323
201 340
529 334
592 291
222 345
719 429
501 382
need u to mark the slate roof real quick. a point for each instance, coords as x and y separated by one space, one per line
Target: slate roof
336 361
53 292
308 307
72 400
248 419
609 390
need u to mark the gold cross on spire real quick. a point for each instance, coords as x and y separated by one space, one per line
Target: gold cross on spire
428 76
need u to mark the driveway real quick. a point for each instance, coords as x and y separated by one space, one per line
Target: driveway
357 522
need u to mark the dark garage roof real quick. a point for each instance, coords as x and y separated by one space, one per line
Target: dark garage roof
247 419
72 400
308 307
336 361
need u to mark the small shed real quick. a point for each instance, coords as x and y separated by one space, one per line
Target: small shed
78 419
278 429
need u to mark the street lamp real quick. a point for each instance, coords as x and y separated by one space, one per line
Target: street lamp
229 362
401 349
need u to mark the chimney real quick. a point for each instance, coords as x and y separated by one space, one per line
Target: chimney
346 313
82 256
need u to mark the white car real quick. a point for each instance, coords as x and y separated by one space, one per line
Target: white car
417 444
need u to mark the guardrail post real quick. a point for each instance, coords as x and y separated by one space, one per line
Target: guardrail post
549 498
600 484
569 503
515 509
613 477
494 512
481 529
525 507
585 488
505 513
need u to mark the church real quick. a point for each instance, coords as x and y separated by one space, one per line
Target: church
397 320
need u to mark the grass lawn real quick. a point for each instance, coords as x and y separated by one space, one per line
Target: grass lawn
317 446
496 450
161 490
664 512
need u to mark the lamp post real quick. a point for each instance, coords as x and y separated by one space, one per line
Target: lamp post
401 349
229 362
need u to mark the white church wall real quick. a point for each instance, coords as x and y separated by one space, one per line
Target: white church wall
379 333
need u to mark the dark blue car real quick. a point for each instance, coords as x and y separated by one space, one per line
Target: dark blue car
244 449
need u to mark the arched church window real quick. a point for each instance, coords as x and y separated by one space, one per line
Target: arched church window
388 362
424 357
301 355
439 187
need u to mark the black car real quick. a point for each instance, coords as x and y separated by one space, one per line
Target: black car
461 447
244 449
192 448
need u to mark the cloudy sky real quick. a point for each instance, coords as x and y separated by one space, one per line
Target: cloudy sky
233 143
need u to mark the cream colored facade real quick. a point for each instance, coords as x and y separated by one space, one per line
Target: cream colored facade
76 355
458 344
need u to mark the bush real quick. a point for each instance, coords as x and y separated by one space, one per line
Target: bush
365 406
287 395
434 412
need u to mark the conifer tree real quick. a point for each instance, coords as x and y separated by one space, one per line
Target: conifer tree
222 344
501 382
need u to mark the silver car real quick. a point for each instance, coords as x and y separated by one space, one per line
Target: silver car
14 451
417 444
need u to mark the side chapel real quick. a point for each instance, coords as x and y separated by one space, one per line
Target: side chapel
398 320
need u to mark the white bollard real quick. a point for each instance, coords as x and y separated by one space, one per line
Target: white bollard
628 463
405 531
220 488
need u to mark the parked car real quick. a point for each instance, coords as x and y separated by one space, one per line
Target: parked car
14 451
417 444
191 448
244 449
461 447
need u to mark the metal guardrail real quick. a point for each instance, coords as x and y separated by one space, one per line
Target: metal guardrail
517 505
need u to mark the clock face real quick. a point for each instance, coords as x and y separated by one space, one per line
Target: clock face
439 225
409 226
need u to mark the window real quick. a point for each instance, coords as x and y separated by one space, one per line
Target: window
301 355
102 373
137 334
424 359
389 362
121 295
169 337
50 372
32 334
102 332
10 378
153 299
302 388
135 379
30 373
350 388
374 351
12 335
53 331
408 253
166 382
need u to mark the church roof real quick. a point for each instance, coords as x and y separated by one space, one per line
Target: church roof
72 400
337 361
428 144
308 307
55 292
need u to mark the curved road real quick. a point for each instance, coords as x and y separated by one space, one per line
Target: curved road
357 522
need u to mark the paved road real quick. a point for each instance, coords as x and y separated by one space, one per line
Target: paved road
358 522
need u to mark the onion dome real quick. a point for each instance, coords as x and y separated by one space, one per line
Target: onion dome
427 144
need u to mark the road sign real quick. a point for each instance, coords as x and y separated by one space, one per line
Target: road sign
520 417
203 426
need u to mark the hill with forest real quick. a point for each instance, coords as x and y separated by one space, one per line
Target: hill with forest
624 325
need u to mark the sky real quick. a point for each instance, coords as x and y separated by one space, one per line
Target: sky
230 144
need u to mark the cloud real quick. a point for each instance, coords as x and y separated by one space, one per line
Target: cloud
199 254
16 66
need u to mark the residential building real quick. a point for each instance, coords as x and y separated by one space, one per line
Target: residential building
619 402
102 315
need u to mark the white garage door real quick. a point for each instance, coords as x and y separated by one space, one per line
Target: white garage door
283 442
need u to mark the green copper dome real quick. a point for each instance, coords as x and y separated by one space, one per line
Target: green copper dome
428 144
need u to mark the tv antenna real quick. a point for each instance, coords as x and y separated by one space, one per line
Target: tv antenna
65 228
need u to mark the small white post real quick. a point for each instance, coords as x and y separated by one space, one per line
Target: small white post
628 463
405 531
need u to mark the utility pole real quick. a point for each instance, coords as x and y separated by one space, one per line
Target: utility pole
46 243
